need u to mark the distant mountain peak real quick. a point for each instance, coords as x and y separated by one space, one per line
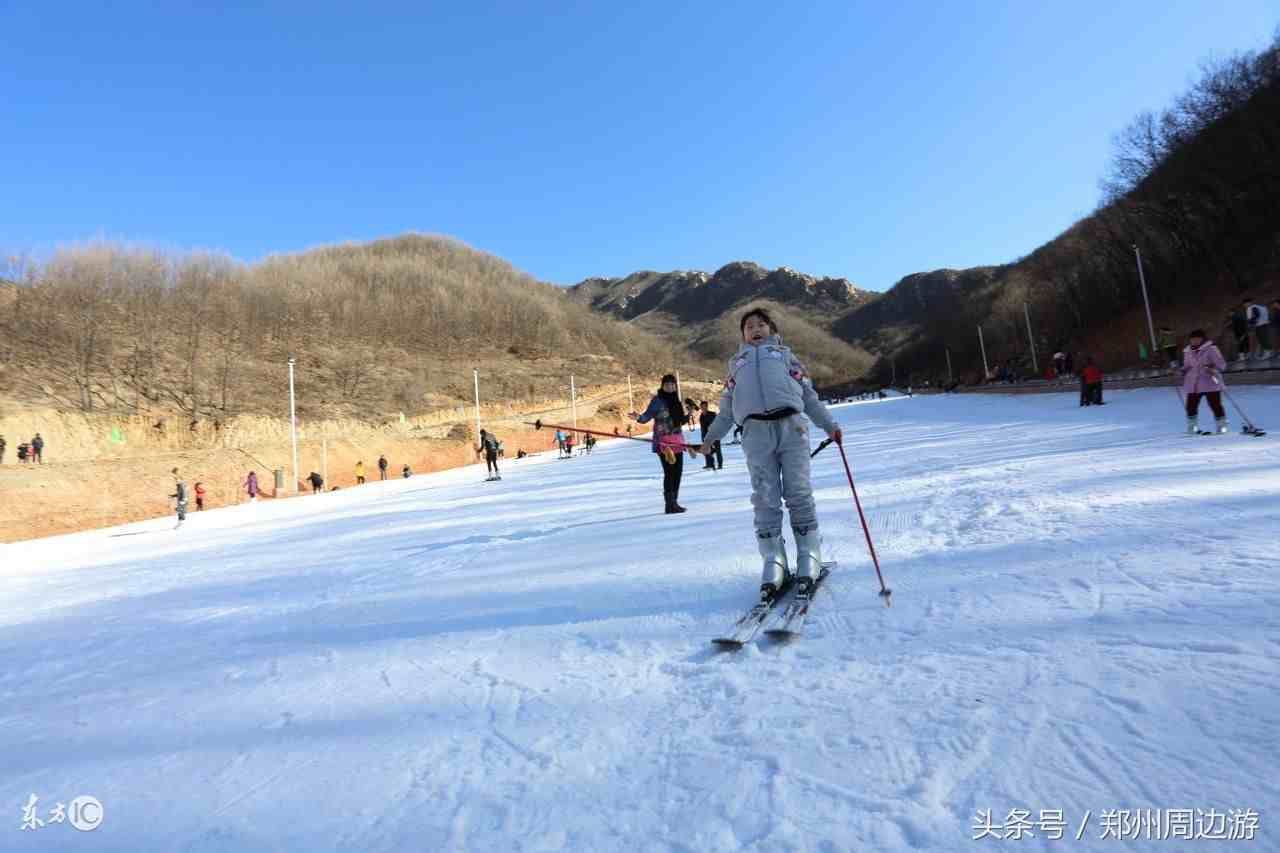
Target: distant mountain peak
690 296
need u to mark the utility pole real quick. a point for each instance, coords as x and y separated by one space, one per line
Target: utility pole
475 375
986 371
949 377
631 403
1035 365
293 425
1145 301
573 400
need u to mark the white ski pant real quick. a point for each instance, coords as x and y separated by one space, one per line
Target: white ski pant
778 459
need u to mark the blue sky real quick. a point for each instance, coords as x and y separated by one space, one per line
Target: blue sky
866 140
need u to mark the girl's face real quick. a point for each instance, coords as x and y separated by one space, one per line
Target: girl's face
669 386
755 330
1195 342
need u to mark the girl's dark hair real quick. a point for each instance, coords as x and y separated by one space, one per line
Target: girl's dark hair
757 312
668 377
1197 333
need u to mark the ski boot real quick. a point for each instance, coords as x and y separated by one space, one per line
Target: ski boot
775 576
1193 425
808 558
1220 426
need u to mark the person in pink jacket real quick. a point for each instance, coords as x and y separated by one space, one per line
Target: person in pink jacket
1202 367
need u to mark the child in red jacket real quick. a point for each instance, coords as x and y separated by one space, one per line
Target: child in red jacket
1091 384
199 496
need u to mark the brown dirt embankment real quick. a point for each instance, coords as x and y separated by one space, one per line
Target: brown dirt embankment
101 470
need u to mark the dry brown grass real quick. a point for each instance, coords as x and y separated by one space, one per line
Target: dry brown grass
377 329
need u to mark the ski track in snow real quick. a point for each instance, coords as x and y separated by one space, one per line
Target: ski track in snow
1084 618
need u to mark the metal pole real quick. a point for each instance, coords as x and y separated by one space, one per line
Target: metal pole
631 403
293 426
324 459
1035 365
475 374
679 392
1145 301
986 371
573 400
893 378
949 378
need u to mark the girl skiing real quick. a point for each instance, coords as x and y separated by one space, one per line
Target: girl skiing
1202 366
668 417
765 392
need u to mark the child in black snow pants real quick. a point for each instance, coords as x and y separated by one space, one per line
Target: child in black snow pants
489 446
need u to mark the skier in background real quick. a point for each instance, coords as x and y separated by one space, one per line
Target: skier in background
316 481
715 459
382 466
37 448
1202 366
1240 329
200 492
489 446
766 390
180 496
360 473
1260 324
1091 384
1169 346
251 486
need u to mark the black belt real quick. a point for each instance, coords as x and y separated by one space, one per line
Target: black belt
775 415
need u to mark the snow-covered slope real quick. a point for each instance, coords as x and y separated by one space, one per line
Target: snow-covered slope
1084 620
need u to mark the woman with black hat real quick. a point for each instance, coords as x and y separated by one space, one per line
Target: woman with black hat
668 416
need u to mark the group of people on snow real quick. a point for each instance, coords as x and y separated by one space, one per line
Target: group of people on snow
28 451
181 498
1252 328
252 488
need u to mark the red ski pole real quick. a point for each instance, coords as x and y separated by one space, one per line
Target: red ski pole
885 592
674 446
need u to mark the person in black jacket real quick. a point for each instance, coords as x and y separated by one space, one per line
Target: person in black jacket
489 447
3 445
668 416
382 466
37 448
715 459
316 481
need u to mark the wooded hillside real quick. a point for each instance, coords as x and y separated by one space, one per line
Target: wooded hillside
379 328
1195 187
